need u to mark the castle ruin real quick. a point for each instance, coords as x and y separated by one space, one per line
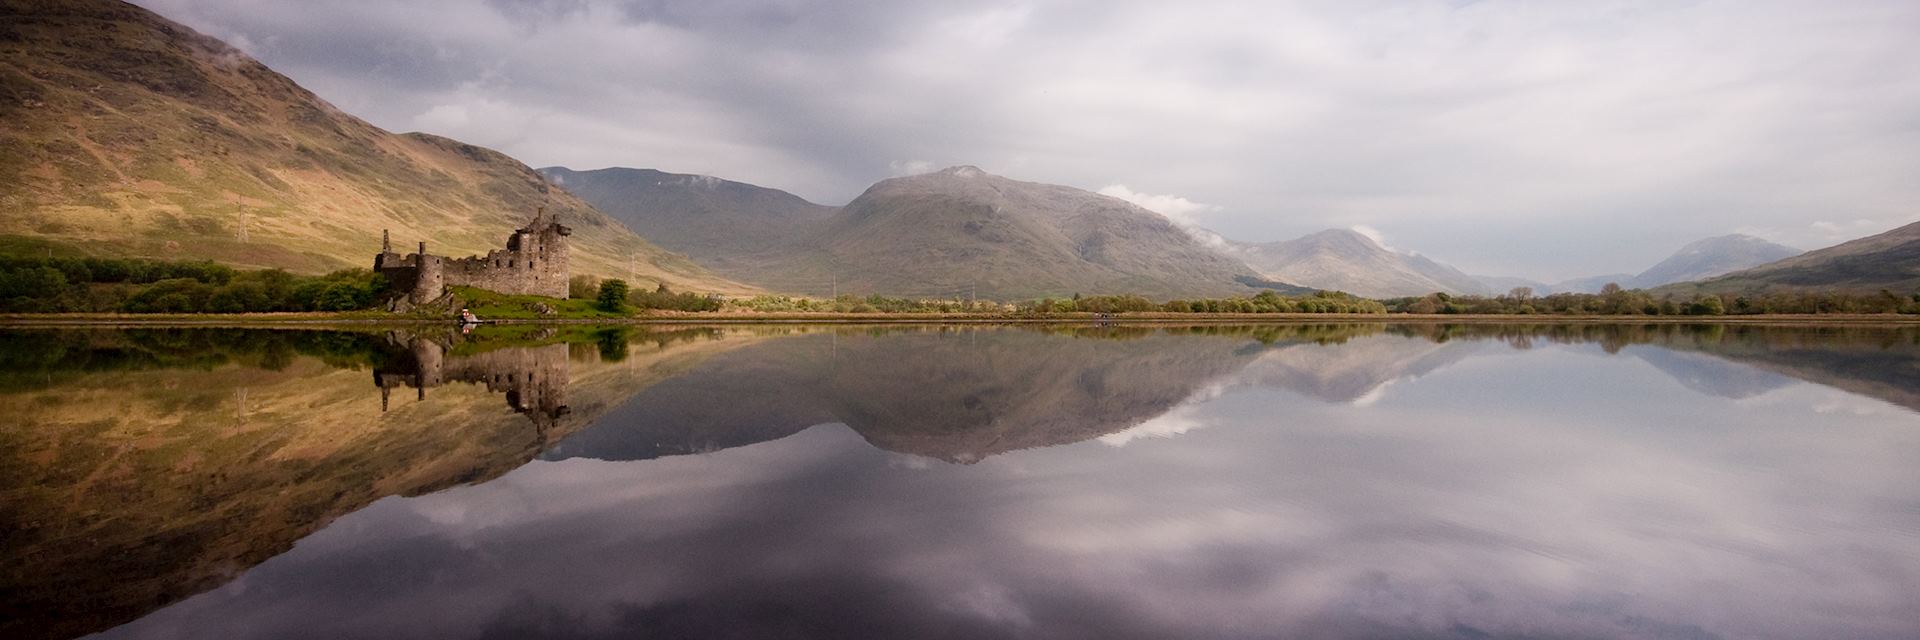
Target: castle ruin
534 262
534 379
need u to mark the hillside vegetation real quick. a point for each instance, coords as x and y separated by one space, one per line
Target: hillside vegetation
127 135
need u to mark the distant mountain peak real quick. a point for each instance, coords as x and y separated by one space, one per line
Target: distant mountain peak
1343 238
964 171
1888 260
1709 257
1351 261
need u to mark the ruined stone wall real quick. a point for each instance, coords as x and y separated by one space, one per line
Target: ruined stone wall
516 272
535 262
534 379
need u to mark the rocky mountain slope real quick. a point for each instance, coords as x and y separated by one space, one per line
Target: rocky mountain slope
724 225
129 135
1348 261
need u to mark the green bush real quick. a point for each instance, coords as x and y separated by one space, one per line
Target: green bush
612 297
153 286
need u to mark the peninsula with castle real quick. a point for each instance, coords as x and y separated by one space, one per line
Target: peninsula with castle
534 262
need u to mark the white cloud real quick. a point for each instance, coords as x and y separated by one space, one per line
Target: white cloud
444 117
903 168
1176 208
1374 235
1183 212
1828 232
1168 425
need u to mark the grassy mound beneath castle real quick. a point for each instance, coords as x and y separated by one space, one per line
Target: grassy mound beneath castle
490 305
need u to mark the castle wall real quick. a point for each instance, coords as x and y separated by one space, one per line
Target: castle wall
534 379
535 262
517 272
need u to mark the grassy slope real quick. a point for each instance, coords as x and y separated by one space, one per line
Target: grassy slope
129 135
1889 260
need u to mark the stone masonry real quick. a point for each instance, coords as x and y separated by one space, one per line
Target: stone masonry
534 379
534 262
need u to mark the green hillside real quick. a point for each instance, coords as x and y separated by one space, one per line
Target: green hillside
129 135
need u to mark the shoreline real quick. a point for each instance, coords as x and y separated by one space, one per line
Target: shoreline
675 318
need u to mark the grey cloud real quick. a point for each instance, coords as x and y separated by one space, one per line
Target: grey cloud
1594 137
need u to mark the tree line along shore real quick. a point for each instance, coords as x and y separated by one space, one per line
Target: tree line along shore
90 285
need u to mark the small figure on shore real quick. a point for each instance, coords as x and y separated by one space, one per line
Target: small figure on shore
467 317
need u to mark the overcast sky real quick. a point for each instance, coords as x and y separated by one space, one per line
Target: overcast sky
1546 140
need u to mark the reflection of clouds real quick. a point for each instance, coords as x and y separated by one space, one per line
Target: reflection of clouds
1828 401
1174 422
1359 370
1166 425
1547 495
1373 396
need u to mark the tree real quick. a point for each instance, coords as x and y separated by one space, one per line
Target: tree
613 296
583 287
1521 294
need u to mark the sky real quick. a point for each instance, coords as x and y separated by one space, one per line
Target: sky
1544 140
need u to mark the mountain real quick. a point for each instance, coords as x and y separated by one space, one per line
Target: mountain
1593 284
1348 261
130 135
954 233
1711 257
1699 259
961 228
1889 260
1502 284
722 224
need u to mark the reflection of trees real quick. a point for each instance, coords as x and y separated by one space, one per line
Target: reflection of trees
39 358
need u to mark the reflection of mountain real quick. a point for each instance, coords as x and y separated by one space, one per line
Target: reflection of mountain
1881 363
1710 375
163 462
940 394
1354 371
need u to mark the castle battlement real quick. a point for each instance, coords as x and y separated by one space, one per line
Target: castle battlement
534 262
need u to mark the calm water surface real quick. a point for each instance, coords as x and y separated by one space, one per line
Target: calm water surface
1220 482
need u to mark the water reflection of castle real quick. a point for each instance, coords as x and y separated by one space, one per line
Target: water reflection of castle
534 379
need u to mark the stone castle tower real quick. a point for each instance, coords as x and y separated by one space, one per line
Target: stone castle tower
534 263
